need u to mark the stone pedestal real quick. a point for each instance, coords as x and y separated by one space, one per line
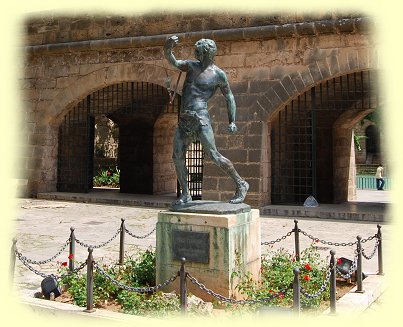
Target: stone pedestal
216 239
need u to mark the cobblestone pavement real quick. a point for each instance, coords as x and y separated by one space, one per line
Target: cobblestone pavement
43 227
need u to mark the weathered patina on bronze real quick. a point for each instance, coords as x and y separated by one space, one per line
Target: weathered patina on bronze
202 79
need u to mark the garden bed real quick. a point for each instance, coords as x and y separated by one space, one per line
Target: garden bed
342 288
276 273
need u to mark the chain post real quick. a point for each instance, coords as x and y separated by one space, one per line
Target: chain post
380 257
122 242
359 266
296 236
90 282
182 281
332 282
12 259
72 249
296 292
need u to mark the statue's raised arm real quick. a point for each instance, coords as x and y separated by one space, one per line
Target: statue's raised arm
202 79
170 43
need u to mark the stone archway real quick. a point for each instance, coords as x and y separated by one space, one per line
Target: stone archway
296 84
109 75
77 90
134 107
311 140
344 152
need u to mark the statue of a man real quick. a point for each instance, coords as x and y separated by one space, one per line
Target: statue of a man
203 78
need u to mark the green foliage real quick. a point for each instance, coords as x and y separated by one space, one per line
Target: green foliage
374 117
108 177
136 272
76 285
140 270
158 304
357 143
277 274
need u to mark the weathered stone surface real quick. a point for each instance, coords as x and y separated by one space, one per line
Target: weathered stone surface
213 207
89 53
234 245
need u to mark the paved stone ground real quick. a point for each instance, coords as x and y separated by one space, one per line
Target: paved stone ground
43 226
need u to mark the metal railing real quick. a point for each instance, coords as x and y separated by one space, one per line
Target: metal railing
295 286
367 182
72 241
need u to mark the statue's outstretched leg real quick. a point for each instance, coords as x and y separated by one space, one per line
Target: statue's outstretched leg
181 142
182 199
240 193
208 143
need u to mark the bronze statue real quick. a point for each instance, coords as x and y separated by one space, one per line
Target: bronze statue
202 79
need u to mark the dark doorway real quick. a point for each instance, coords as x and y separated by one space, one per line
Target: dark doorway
134 107
76 149
303 139
372 145
136 157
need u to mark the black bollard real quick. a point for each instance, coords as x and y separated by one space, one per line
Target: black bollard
12 260
72 249
359 266
90 282
296 237
332 282
122 242
380 258
296 292
182 285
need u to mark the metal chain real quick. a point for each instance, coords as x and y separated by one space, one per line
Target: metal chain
326 242
74 271
321 289
42 262
336 243
102 244
233 301
369 238
135 236
368 257
278 240
135 289
26 264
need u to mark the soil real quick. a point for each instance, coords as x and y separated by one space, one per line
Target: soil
342 287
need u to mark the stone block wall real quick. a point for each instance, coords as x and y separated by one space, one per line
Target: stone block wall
164 176
268 61
49 28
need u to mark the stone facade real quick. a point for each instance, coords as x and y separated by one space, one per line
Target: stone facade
269 61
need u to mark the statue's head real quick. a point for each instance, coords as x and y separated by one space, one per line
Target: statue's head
205 47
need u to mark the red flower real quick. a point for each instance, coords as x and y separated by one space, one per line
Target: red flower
271 291
339 261
281 296
71 256
306 277
64 264
308 267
